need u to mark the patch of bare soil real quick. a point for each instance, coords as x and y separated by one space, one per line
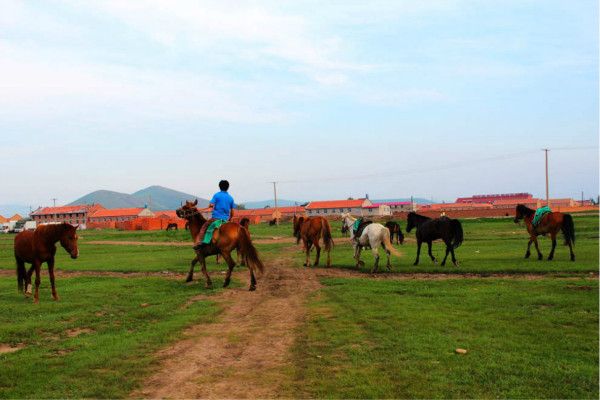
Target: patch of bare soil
78 331
246 353
271 240
6 348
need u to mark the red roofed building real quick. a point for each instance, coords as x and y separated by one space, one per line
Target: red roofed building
491 198
73 215
3 220
337 207
270 213
119 214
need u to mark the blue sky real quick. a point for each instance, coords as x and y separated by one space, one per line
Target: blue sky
434 99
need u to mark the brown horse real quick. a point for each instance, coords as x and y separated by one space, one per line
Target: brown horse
310 230
550 223
39 246
228 237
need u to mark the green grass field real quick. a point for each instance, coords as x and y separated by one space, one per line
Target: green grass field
362 337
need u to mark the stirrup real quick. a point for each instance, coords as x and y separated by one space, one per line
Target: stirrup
199 246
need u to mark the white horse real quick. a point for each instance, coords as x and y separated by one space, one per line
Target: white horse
374 235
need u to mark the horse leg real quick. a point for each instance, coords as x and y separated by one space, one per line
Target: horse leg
553 237
357 251
528 252
51 273
190 276
28 285
230 265
36 296
429 252
307 246
453 257
418 252
375 251
446 256
571 250
537 247
318 257
202 261
388 264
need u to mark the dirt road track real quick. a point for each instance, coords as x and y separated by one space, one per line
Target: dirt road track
246 353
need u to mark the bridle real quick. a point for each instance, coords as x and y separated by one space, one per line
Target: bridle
188 213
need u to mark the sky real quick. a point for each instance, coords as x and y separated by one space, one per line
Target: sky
434 99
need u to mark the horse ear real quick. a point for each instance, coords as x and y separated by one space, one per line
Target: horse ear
196 202
76 226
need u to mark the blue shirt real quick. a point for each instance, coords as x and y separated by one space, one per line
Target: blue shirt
223 203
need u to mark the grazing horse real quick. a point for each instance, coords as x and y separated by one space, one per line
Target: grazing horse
373 236
550 223
39 246
226 238
172 227
310 230
428 230
395 230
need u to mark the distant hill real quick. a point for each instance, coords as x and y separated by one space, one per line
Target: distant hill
155 197
270 203
162 198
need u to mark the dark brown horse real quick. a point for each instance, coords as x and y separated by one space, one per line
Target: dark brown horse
310 230
428 230
172 226
39 246
395 230
550 223
230 236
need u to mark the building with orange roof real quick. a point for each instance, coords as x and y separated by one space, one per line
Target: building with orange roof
337 207
270 213
15 217
120 214
3 220
74 215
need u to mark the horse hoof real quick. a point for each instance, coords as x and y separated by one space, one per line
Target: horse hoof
540 258
189 279
55 298
443 264
415 263
573 258
252 288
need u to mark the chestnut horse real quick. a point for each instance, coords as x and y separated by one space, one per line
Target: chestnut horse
228 237
550 223
310 230
39 246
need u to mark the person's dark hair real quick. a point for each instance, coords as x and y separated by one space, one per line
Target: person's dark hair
224 185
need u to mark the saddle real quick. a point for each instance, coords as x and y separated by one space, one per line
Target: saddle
359 226
539 214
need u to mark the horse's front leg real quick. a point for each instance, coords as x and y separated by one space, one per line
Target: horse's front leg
202 261
429 252
190 275
537 247
418 252
51 273
528 252
28 285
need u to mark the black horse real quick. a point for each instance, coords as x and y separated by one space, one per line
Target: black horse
172 227
395 230
428 230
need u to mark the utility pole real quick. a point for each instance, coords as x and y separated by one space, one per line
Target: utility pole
547 191
54 201
275 197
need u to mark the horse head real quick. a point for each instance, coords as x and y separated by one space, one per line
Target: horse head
521 212
187 210
68 240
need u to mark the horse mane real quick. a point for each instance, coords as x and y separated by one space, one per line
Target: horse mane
523 209
418 217
53 232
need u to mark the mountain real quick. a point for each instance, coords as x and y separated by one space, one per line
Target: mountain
271 203
155 197
110 199
162 198
8 210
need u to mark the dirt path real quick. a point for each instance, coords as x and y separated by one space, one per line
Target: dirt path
272 240
246 353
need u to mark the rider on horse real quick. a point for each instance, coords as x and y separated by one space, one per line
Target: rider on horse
222 205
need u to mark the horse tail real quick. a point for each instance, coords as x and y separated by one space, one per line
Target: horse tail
21 274
388 244
568 229
327 239
457 231
248 251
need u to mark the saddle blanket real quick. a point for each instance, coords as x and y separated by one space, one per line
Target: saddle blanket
211 228
539 213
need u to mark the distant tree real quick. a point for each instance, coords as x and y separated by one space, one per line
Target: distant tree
241 206
350 198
